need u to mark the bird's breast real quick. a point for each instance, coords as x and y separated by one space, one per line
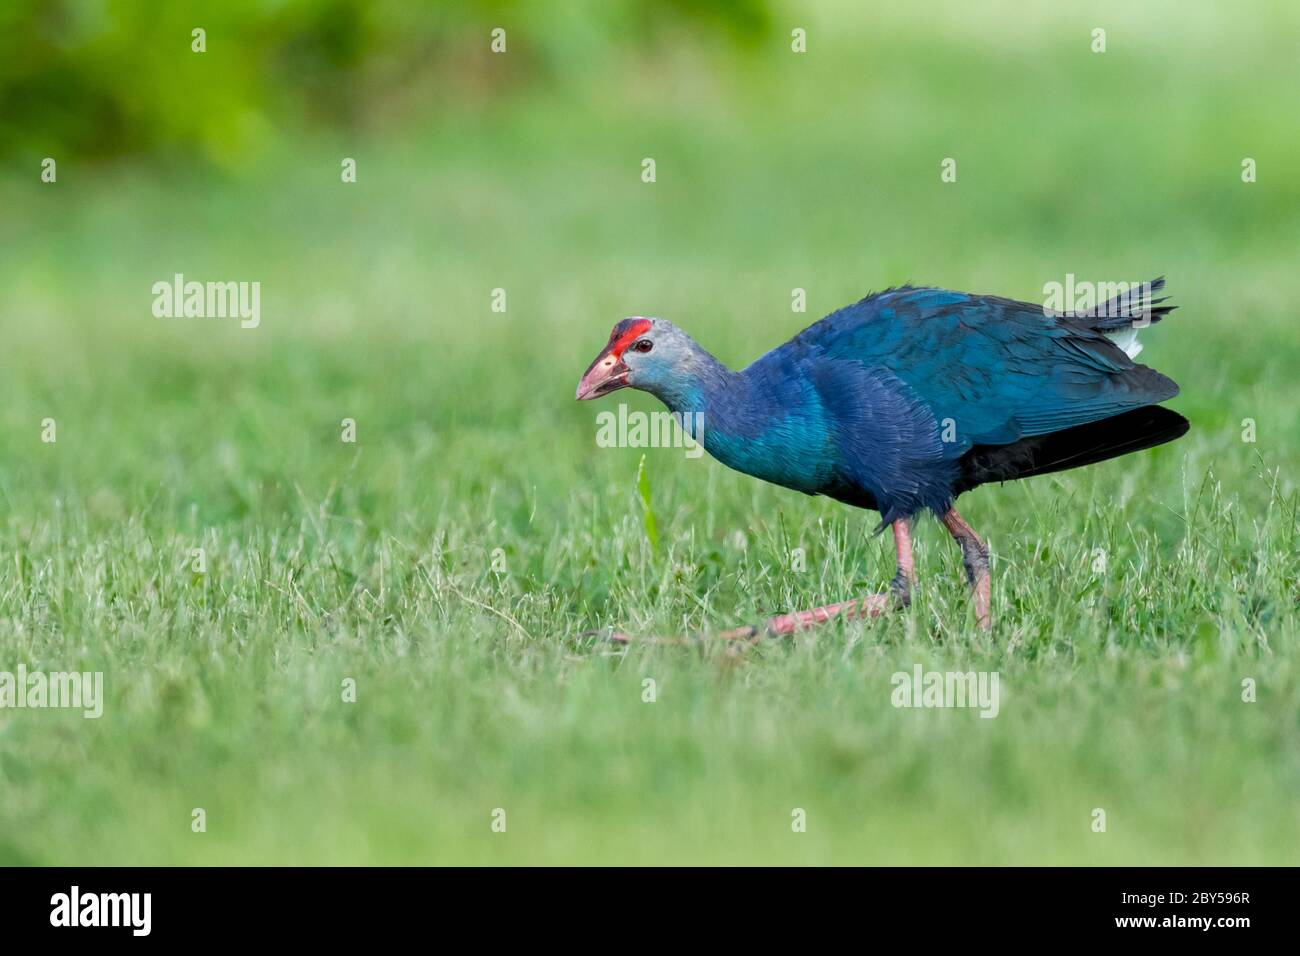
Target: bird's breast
782 452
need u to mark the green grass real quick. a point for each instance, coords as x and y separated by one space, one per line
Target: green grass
1121 689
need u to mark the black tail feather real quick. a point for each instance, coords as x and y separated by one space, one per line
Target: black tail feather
1127 308
1074 447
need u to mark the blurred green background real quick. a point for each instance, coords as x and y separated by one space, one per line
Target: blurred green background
375 560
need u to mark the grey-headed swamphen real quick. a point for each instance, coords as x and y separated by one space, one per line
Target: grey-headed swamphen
906 399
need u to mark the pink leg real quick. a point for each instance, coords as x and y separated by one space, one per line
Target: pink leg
975 556
906 576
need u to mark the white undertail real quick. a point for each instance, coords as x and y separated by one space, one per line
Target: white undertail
1127 340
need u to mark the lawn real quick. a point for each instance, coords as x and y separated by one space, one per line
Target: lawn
445 561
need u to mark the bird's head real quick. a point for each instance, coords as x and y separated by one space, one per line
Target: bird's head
650 354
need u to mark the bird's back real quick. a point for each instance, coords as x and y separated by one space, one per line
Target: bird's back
999 370
911 384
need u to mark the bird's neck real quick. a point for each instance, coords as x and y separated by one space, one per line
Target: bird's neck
710 401
762 421
704 385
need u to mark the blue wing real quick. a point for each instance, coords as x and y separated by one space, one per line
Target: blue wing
989 370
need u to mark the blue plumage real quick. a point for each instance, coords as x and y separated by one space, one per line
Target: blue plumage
903 401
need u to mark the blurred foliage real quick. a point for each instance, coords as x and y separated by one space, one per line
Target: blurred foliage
103 78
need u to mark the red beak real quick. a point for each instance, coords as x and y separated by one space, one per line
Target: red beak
606 374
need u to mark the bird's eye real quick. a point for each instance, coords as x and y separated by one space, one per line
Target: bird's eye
642 345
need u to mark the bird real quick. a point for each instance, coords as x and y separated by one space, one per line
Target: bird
904 401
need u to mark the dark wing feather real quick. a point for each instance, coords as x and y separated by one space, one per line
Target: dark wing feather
1072 448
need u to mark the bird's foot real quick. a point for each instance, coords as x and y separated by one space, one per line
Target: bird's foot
901 588
873 605
782 625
